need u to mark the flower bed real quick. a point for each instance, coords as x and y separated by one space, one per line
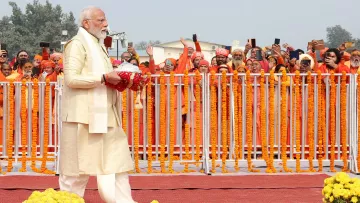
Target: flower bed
341 189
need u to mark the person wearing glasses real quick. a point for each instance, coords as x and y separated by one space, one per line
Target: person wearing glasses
93 143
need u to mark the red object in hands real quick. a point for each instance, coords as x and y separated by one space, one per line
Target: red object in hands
131 80
45 54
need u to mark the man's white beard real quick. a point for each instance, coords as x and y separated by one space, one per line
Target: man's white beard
354 63
237 63
100 34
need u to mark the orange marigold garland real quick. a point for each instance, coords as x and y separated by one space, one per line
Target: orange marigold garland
136 137
332 121
240 123
263 122
310 121
224 122
149 123
271 120
343 98
358 141
162 124
236 118
198 120
297 99
46 128
124 111
23 126
284 122
249 120
35 126
172 121
320 121
213 117
10 135
187 127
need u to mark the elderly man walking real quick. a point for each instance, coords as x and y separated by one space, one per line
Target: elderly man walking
92 141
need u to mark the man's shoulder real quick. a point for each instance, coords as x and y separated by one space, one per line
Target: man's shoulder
76 40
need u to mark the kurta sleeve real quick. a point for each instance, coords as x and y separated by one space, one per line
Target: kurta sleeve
74 56
182 61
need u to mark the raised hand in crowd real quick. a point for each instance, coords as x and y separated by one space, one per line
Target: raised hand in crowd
131 50
183 42
113 78
149 51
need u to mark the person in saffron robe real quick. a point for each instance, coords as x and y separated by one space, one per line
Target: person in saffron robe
21 57
196 57
355 61
332 62
221 59
237 61
204 66
3 57
5 70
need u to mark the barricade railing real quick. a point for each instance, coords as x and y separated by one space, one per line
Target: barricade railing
29 126
197 123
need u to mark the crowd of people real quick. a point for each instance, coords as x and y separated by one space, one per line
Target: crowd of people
253 58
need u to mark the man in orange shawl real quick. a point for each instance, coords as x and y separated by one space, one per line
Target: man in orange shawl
221 59
355 61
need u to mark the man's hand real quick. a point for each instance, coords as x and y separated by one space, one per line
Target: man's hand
131 50
331 63
183 42
149 50
113 78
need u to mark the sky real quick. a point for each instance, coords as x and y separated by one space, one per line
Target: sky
294 22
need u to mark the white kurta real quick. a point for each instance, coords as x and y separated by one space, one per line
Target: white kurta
83 152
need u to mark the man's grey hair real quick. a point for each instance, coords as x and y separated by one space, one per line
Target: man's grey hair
86 14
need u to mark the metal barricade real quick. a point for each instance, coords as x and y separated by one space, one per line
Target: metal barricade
196 122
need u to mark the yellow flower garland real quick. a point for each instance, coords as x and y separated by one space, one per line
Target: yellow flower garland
124 109
249 121
149 123
46 129
198 120
343 98
271 120
162 124
23 126
358 100
172 121
213 117
240 124
320 120
35 126
263 122
284 122
297 101
332 121
136 136
236 119
10 135
310 121
187 127
224 121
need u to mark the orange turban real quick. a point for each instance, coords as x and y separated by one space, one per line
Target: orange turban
172 60
38 57
47 63
56 55
197 54
222 51
204 63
